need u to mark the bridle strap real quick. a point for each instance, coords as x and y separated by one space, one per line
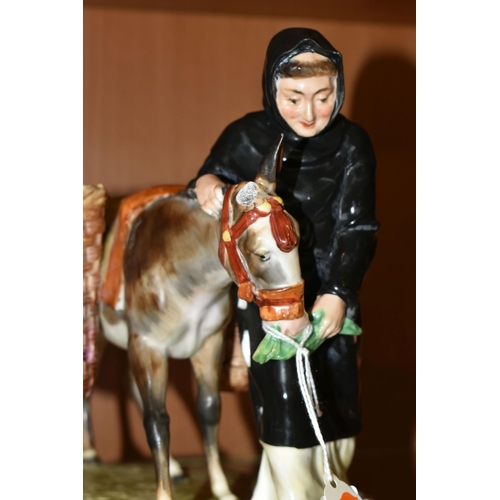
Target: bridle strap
228 243
281 296
282 303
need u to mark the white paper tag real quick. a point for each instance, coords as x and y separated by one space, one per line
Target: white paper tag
341 491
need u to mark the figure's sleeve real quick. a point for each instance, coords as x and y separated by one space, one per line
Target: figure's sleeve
354 237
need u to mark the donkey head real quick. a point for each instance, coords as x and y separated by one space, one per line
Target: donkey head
259 243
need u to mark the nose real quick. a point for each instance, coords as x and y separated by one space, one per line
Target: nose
309 114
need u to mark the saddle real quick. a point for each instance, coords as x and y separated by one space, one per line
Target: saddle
130 208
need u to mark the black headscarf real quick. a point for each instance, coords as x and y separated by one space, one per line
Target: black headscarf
283 47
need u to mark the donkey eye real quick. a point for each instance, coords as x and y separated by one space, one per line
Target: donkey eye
264 256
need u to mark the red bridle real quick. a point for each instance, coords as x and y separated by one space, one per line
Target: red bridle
278 304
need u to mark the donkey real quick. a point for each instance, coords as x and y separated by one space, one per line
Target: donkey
178 266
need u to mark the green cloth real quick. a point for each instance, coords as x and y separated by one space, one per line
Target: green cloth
273 348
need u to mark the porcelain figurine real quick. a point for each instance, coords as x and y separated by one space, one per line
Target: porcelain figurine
328 184
171 298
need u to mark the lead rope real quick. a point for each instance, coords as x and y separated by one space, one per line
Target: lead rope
307 387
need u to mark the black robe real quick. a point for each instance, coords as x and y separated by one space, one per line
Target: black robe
327 183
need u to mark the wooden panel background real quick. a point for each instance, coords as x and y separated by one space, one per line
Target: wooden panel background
381 11
159 87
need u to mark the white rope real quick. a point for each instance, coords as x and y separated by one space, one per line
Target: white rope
307 386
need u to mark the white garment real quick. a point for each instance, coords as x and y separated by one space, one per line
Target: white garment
288 473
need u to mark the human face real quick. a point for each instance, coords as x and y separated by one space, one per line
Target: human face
306 104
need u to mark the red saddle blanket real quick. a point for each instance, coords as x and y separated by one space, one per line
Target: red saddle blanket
130 208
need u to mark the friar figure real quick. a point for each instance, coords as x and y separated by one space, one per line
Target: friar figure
327 183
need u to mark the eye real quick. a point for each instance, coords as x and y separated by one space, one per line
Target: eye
292 100
263 257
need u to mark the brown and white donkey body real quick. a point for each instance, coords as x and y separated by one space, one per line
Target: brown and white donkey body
178 265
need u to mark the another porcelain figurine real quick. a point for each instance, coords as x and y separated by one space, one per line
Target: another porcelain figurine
328 184
94 202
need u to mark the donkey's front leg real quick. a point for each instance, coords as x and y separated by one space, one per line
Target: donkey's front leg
150 370
206 365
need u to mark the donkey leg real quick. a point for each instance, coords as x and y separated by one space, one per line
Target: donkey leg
150 370
174 467
206 365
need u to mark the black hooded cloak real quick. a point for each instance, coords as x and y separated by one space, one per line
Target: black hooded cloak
327 183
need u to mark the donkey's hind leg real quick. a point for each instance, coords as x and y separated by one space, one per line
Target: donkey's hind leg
206 365
174 467
150 370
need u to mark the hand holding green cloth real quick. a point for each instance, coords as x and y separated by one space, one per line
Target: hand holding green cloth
273 348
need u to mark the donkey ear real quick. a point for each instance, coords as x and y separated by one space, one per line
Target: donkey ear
270 166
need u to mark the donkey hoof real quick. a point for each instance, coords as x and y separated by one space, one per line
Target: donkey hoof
175 470
179 477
